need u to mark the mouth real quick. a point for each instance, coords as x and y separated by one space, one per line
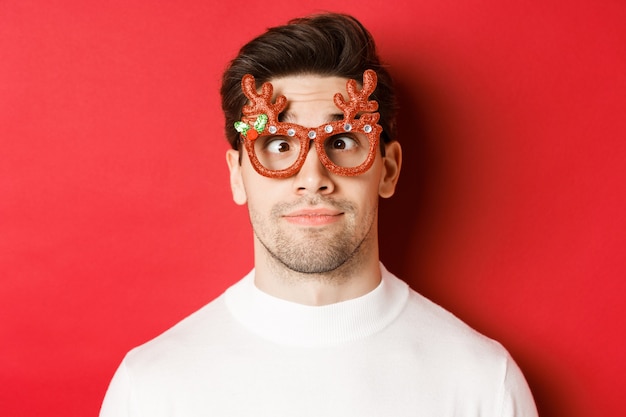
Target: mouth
313 217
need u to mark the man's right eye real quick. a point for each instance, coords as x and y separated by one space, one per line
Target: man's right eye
277 144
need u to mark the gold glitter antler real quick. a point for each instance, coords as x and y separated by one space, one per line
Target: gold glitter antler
358 100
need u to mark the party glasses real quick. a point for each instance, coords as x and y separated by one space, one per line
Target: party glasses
278 149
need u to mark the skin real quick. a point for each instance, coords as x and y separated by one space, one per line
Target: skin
315 233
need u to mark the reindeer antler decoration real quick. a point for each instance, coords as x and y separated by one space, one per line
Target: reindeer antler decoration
265 111
261 103
260 106
358 100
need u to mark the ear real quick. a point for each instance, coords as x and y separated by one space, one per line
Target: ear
236 180
392 161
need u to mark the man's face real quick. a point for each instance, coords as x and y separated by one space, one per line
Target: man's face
314 221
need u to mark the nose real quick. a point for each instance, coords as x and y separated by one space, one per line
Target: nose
313 177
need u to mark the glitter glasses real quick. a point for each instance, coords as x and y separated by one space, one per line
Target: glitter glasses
278 150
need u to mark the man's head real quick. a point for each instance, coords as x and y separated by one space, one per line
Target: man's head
315 213
327 45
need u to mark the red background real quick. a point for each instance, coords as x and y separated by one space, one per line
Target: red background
116 219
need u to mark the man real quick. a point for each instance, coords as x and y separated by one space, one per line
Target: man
319 327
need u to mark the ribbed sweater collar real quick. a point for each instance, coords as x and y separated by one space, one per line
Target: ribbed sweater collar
294 324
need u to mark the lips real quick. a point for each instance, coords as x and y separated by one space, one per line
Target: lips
313 217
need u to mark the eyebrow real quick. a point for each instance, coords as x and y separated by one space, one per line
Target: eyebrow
288 117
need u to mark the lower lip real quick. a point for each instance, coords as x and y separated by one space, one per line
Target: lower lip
322 220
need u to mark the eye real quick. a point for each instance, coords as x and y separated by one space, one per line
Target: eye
343 142
277 144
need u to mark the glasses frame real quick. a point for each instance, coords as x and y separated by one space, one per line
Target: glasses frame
261 117
318 135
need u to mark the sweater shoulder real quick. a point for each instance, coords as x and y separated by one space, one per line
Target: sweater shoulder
203 329
439 327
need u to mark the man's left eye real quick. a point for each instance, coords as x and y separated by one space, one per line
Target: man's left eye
343 142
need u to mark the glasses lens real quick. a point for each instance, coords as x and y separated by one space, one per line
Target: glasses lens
347 150
277 152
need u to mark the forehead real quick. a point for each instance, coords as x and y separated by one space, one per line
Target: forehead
309 97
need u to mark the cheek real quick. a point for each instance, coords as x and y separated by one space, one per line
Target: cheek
368 183
255 194
362 191
261 191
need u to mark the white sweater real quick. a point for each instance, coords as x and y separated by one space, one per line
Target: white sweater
389 353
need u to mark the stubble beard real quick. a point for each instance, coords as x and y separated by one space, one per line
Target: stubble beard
314 251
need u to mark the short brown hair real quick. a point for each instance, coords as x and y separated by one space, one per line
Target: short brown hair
329 44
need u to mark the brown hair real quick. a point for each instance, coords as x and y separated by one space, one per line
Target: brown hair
329 44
